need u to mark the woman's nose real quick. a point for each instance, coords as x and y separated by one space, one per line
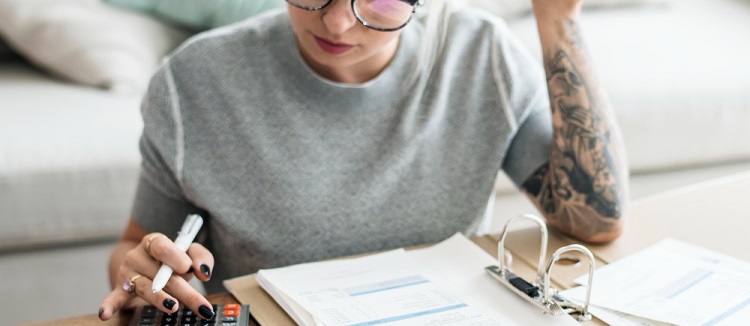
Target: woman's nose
338 17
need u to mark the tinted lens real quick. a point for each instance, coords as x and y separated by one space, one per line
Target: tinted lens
383 14
308 4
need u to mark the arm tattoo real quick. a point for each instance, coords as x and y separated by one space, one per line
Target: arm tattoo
578 190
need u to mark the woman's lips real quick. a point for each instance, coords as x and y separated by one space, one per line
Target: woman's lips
332 47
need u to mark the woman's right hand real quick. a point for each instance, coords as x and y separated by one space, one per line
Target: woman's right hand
141 263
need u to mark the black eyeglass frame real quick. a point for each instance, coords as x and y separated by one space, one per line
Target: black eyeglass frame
413 3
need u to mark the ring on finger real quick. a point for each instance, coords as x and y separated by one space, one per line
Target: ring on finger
129 284
151 239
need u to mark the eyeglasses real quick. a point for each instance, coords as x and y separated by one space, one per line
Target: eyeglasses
380 15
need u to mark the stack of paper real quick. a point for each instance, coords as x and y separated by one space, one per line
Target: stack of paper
441 285
670 282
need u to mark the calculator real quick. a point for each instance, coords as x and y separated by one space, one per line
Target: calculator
224 315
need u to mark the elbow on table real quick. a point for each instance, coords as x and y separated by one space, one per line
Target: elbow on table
602 230
605 236
600 226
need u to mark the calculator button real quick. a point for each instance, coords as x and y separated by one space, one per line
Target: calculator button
231 306
231 312
228 324
149 311
147 320
169 320
230 319
188 319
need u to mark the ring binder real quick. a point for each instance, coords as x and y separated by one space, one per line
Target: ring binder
540 292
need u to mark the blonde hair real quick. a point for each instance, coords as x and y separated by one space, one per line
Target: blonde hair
433 38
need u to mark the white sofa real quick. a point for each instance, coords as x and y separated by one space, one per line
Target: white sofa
68 159
68 152
677 76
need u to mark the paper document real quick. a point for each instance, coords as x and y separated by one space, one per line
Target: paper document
441 285
372 290
459 266
611 317
673 282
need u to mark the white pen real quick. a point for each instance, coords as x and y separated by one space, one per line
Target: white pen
185 237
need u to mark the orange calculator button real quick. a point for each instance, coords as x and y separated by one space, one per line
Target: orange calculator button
231 306
231 312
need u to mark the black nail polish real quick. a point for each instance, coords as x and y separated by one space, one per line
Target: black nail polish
101 311
190 270
168 303
206 312
206 270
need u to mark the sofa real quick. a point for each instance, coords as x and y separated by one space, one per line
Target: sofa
676 74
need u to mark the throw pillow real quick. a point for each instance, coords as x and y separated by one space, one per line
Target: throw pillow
200 15
87 41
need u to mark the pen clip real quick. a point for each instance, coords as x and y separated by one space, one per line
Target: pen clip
192 224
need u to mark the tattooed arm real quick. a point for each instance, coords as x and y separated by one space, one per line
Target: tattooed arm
582 189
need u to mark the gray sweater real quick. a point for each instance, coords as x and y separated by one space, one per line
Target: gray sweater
289 167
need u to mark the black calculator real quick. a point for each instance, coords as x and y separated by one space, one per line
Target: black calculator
224 315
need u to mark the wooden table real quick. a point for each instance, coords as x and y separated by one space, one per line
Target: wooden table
713 214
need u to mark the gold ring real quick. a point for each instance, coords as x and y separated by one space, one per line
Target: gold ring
129 284
151 239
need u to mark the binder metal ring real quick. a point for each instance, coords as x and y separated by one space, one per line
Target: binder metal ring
583 311
547 300
542 250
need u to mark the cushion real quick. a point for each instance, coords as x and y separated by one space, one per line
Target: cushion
69 159
88 42
509 9
200 14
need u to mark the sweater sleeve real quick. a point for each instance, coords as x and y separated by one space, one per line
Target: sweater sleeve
523 83
160 203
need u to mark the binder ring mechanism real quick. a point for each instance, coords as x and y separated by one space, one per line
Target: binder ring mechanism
540 292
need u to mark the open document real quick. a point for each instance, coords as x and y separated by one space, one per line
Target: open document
673 282
441 285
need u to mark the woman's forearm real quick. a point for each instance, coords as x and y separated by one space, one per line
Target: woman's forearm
583 190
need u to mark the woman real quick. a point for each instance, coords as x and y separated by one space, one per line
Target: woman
344 126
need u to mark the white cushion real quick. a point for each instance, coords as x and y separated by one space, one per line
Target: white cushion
68 159
88 42
48 126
